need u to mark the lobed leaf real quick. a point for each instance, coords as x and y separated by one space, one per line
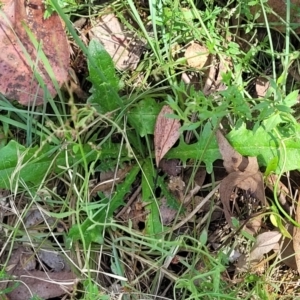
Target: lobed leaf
264 145
104 79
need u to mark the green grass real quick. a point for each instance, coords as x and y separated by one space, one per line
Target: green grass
51 156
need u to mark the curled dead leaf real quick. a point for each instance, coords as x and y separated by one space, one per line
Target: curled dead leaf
243 173
232 160
166 133
20 57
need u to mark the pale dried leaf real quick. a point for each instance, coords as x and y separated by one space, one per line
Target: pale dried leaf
166 133
17 79
265 242
197 56
233 161
262 85
119 42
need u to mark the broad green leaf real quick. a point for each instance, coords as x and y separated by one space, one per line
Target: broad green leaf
143 116
261 144
265 146
104 79
30 165
291 99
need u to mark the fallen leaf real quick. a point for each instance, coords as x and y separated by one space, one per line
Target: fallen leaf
197 56
42 284
45 285
265 242
122 45
19 56
276 13
243 173
262 85
232 160
166 133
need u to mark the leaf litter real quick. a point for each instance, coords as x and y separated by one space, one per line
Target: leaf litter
124 47
166 133
243 168
243 173
25 37
43 270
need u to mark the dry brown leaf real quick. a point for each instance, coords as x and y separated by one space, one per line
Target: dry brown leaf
243 173
46 285
262 85
233 161
166 133
197 56
122 46
278 8
17 79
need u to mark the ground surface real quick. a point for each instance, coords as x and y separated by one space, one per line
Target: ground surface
166 166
